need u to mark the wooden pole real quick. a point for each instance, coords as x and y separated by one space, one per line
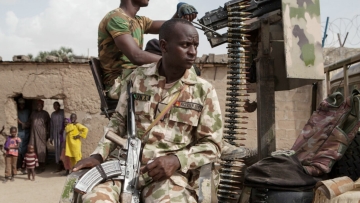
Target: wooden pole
346 82
328 83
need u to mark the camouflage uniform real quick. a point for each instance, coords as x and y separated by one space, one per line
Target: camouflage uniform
328 133
192 129
107 192
114 24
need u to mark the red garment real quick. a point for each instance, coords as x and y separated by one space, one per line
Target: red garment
14 142
65 160
30 161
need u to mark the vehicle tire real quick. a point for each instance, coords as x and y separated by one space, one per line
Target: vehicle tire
349 164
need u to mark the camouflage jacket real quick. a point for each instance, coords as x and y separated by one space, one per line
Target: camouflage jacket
192 129
328 133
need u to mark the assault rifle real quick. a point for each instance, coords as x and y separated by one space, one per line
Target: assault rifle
127 170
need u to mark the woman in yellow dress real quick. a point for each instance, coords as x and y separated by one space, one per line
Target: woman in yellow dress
74 131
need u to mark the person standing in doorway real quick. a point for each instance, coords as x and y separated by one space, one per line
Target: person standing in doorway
40 123
56 129
23 130
74 131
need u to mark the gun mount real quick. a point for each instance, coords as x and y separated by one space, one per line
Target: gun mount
223 17
271 39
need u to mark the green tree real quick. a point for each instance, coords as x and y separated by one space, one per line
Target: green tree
30 57
64 54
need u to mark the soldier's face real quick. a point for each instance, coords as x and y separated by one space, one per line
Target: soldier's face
181 49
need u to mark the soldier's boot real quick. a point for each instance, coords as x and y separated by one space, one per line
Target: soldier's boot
233 153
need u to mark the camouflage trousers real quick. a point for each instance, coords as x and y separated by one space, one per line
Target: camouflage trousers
159 192
107 192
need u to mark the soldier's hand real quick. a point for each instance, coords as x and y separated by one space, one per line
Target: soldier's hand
186 11
88 162
162 167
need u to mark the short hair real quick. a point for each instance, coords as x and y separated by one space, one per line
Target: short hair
167 28
56 103
13 128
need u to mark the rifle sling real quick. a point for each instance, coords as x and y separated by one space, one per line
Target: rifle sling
164 111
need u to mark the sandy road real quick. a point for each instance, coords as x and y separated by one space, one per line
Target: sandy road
46 188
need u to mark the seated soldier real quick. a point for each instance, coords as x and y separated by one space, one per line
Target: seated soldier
120 40
186 138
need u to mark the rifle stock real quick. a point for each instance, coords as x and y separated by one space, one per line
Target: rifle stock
110 135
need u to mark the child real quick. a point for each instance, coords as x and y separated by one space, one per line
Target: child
74 131
30 161
11 147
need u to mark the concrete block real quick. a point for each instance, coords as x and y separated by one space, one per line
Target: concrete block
251 124
294 115
21 58
284 105
280 133
280 115
300 124
52 59
303 106
292 135
300 97
281 96
286 124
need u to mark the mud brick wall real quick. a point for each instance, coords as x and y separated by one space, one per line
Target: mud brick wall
73 85
292 109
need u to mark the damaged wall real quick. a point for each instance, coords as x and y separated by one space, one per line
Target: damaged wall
73 83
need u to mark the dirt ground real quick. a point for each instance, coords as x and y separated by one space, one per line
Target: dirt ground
46 188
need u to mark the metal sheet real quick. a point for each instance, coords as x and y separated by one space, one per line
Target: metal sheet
302 35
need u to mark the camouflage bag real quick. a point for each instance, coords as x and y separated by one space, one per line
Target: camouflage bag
328 133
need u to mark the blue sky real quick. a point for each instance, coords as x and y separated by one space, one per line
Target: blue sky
30 26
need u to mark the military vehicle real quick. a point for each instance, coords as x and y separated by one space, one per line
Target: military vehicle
350 80
275 43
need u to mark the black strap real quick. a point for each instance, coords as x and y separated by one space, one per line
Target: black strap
101 171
